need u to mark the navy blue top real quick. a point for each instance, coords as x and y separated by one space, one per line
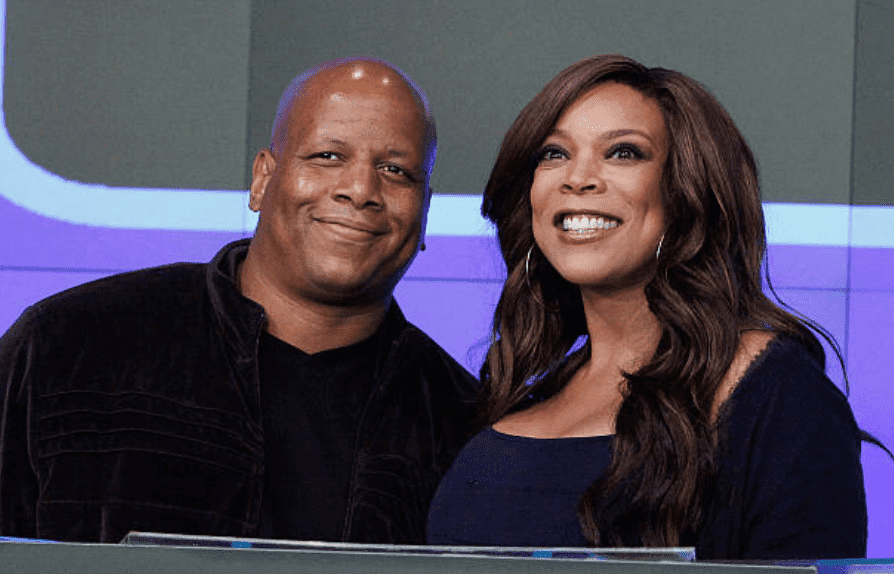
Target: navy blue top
789 482
527 488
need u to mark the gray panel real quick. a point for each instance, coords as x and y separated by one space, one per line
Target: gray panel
102 559
783 69
144 94
154 94
874 104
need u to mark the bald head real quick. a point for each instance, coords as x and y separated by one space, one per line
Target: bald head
343 192
352 75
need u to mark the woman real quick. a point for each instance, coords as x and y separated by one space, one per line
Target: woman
639 377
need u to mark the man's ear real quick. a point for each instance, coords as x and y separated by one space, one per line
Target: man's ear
261 172
426 203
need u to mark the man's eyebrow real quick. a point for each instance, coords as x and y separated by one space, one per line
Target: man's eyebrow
398 153
391 152
333 141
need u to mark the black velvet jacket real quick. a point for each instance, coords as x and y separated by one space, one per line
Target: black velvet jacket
132 403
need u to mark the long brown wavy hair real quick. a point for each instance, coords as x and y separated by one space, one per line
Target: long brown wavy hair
706 292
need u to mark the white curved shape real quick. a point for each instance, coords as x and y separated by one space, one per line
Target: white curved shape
33 188
807 224
40 191
872 226
37 190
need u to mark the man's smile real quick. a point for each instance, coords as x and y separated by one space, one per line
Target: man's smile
349 230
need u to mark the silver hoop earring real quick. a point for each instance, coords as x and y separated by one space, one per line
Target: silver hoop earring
658 251
528 281
528 264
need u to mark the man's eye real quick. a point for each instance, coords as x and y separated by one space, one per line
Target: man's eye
626 151
326 155
400 172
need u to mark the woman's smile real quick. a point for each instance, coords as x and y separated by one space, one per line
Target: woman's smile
596 198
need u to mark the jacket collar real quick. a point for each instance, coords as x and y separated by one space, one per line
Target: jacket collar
240 320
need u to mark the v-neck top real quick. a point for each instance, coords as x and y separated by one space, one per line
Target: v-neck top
789 482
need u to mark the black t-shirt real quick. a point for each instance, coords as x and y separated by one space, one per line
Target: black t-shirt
311 410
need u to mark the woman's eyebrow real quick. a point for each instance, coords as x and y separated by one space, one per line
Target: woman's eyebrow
607 135
625 132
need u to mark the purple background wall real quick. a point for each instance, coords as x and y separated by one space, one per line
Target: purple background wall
452 287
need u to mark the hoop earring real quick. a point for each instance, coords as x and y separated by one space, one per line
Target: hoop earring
658 251
528 281
528 264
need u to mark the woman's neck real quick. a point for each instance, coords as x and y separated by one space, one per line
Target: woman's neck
623 331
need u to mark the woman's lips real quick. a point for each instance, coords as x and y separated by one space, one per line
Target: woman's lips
583 224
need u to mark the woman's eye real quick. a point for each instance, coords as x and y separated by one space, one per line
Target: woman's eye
550 153
626 151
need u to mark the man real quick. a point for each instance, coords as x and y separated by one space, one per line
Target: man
277 391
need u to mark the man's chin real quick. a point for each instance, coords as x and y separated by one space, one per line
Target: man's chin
348 294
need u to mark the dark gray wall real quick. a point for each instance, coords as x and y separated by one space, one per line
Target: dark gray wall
133 94
783 69
873 165
171 94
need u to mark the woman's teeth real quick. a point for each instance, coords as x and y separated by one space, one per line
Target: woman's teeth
582 224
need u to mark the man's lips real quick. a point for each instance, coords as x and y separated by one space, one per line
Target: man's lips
355 224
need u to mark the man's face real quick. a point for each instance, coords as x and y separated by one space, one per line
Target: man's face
344 194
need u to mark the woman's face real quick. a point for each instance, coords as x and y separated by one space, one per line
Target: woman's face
596 196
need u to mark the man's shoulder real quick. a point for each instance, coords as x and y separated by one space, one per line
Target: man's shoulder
125 287
128 296
100 325
165 288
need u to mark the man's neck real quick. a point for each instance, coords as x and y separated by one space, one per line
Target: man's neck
310 325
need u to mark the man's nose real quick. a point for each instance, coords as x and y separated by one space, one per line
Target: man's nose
361 185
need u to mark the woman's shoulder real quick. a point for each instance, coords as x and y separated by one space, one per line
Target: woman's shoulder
786 381
753 346
788 478
787 366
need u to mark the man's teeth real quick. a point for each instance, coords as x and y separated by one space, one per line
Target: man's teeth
581 224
